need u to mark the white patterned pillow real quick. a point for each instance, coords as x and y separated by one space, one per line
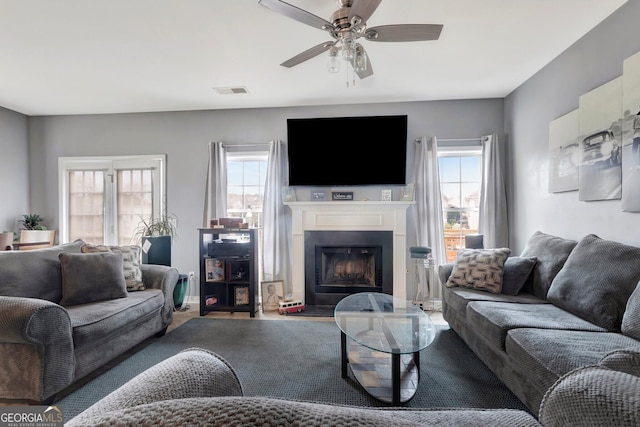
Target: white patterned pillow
479 269
130 263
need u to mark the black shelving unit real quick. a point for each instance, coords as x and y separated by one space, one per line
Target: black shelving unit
228 270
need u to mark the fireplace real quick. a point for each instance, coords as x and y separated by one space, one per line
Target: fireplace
349 216
340 263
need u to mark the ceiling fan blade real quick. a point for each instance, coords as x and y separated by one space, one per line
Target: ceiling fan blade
404 33
296 13
365 71
308 54
363 8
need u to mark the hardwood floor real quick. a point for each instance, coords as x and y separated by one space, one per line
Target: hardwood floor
179 316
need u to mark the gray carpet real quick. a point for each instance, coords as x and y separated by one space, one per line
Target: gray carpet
301 360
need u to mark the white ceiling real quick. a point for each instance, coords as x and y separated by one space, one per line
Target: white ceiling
115 56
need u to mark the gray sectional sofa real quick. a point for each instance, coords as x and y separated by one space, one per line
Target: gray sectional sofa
65 313
578 305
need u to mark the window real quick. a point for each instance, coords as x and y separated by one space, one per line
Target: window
460 179
103 199
246 176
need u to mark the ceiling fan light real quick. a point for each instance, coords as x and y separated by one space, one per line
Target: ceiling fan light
360 61
333 63
348 47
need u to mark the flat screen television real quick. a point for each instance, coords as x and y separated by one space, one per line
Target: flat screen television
347 151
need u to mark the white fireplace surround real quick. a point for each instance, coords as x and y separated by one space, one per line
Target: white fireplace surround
350 216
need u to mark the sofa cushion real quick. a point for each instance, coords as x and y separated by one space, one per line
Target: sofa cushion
458 298
91 277
551 253
493 320
479 269
130 263
94 323
631 318
516 272
597 280
34 274
547 354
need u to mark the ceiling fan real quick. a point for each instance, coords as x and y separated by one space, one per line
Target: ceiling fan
348 24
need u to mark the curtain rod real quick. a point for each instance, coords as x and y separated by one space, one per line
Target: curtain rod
452 139
245 145
458 139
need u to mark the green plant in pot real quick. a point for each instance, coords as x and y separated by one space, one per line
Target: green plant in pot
32 222
33 231
155 235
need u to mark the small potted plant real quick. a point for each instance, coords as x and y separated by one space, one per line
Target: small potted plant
33 230
32 222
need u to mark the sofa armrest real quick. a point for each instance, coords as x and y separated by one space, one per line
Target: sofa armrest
164 278
191 373
623 360
592 396
444 271
36 348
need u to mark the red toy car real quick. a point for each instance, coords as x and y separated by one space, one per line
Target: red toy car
286 307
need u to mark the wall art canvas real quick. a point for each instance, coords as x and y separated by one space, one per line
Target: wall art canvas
631 134
600 171
564 152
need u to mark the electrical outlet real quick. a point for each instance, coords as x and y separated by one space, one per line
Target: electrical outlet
192 274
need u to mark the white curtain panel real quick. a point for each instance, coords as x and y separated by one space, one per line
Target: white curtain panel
276 244
215 198
429 224
493 196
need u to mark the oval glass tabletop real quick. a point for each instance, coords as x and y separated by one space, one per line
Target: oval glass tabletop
384 323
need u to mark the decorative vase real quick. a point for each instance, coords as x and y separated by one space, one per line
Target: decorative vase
6 241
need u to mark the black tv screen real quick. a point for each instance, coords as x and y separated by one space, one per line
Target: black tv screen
347 151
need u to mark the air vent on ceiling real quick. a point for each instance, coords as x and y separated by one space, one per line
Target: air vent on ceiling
231 90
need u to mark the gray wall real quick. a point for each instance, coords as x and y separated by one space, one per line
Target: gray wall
184 136
14 169
553 92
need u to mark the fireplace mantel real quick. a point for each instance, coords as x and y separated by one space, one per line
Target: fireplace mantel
350 216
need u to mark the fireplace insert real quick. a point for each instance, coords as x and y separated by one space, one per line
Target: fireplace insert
340 263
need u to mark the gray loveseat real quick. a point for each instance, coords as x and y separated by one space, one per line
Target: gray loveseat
576 304
64 313
198 388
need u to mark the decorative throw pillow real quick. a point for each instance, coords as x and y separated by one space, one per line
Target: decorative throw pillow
597 281
631 317
130 263
516 272
91 277
551 252
479 269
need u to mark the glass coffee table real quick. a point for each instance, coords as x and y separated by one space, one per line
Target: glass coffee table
385 335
